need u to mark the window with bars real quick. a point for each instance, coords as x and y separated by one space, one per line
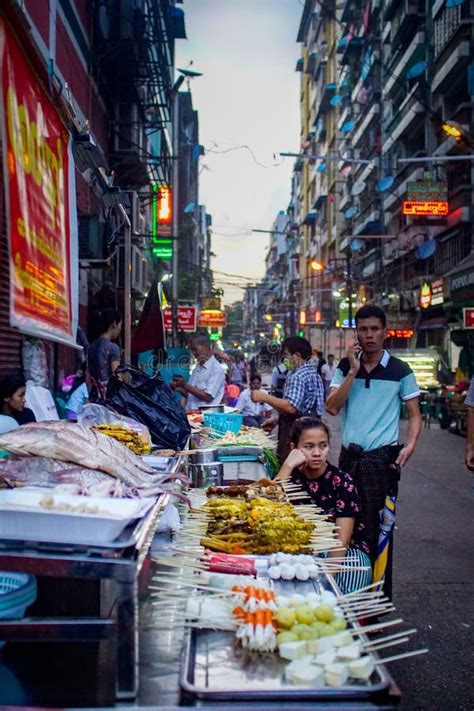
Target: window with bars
445 26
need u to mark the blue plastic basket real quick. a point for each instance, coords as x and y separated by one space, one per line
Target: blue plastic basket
223 422
17 592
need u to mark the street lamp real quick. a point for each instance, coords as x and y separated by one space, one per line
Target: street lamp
316 266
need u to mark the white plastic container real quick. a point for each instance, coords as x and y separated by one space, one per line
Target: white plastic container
22 517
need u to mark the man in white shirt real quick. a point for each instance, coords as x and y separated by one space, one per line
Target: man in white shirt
254 412
327 373
206 384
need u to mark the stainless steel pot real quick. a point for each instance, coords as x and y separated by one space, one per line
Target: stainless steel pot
205 456
203 475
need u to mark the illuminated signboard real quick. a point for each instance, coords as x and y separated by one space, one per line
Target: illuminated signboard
400 332
425 296
302 317
211 317
468 318
165 213
425 208
437 292
163 249
427 190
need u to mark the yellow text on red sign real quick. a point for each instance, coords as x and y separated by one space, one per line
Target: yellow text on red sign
425 208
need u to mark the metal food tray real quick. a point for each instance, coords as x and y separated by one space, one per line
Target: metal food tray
215 667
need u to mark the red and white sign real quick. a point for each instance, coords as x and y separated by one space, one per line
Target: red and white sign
40 202
210 318
186 318
468 317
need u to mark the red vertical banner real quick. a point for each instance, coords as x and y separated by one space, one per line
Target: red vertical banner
40 202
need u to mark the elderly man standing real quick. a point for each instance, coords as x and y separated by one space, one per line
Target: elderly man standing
206 385
369 386
303 392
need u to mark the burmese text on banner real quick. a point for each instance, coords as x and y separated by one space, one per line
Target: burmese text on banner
41 202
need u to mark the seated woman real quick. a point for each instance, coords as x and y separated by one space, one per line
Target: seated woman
334 492
12 399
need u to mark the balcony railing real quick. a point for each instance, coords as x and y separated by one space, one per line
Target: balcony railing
448 23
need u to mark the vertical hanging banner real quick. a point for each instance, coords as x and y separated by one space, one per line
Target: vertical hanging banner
40 202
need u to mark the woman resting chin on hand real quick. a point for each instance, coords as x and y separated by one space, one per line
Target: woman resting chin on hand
331 490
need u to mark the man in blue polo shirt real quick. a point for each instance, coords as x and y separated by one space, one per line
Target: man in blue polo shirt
369 386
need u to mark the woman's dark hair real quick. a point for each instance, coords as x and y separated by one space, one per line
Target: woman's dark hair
106 318
307 423
371 311
296 344
9 385
256 376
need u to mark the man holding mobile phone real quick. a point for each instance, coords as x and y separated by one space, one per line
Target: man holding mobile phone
369 386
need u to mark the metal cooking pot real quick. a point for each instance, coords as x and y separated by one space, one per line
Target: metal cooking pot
205 456
203 475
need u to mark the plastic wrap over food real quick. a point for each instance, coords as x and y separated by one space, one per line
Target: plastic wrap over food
94 415
63 476
81 445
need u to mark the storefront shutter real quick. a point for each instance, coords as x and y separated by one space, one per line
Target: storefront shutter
10 338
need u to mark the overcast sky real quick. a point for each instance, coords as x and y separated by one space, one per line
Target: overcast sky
248 95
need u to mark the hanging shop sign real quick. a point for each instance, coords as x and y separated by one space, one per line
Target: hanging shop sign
186 318
468 317
212 317
400 332
437 292
40 202
425 296
427 191
425 208
426 198
461 286
162 221
211 303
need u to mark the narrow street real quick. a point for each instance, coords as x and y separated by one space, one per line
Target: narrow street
434 566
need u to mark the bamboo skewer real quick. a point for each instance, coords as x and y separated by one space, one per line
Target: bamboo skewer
376 627
405 655
390 637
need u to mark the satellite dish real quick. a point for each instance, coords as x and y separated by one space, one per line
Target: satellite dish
189 208
321 167
334 100
427 249
356 245
347 126
384 183
350 212
358 187
416 70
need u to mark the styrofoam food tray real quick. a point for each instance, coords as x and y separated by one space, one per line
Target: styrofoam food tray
23 518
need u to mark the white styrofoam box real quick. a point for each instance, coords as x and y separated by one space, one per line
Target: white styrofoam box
23 518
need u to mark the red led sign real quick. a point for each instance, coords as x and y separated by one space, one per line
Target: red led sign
425 208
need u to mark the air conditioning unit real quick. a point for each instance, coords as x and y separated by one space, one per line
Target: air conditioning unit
128 128
91 237
139 270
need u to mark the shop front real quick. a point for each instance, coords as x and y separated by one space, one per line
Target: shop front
461 293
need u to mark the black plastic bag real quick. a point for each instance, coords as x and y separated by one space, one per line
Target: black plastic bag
152 402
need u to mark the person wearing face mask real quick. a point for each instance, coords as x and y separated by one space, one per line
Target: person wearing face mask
333 491
303 393
206 385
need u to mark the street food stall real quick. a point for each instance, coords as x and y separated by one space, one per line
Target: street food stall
237 606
